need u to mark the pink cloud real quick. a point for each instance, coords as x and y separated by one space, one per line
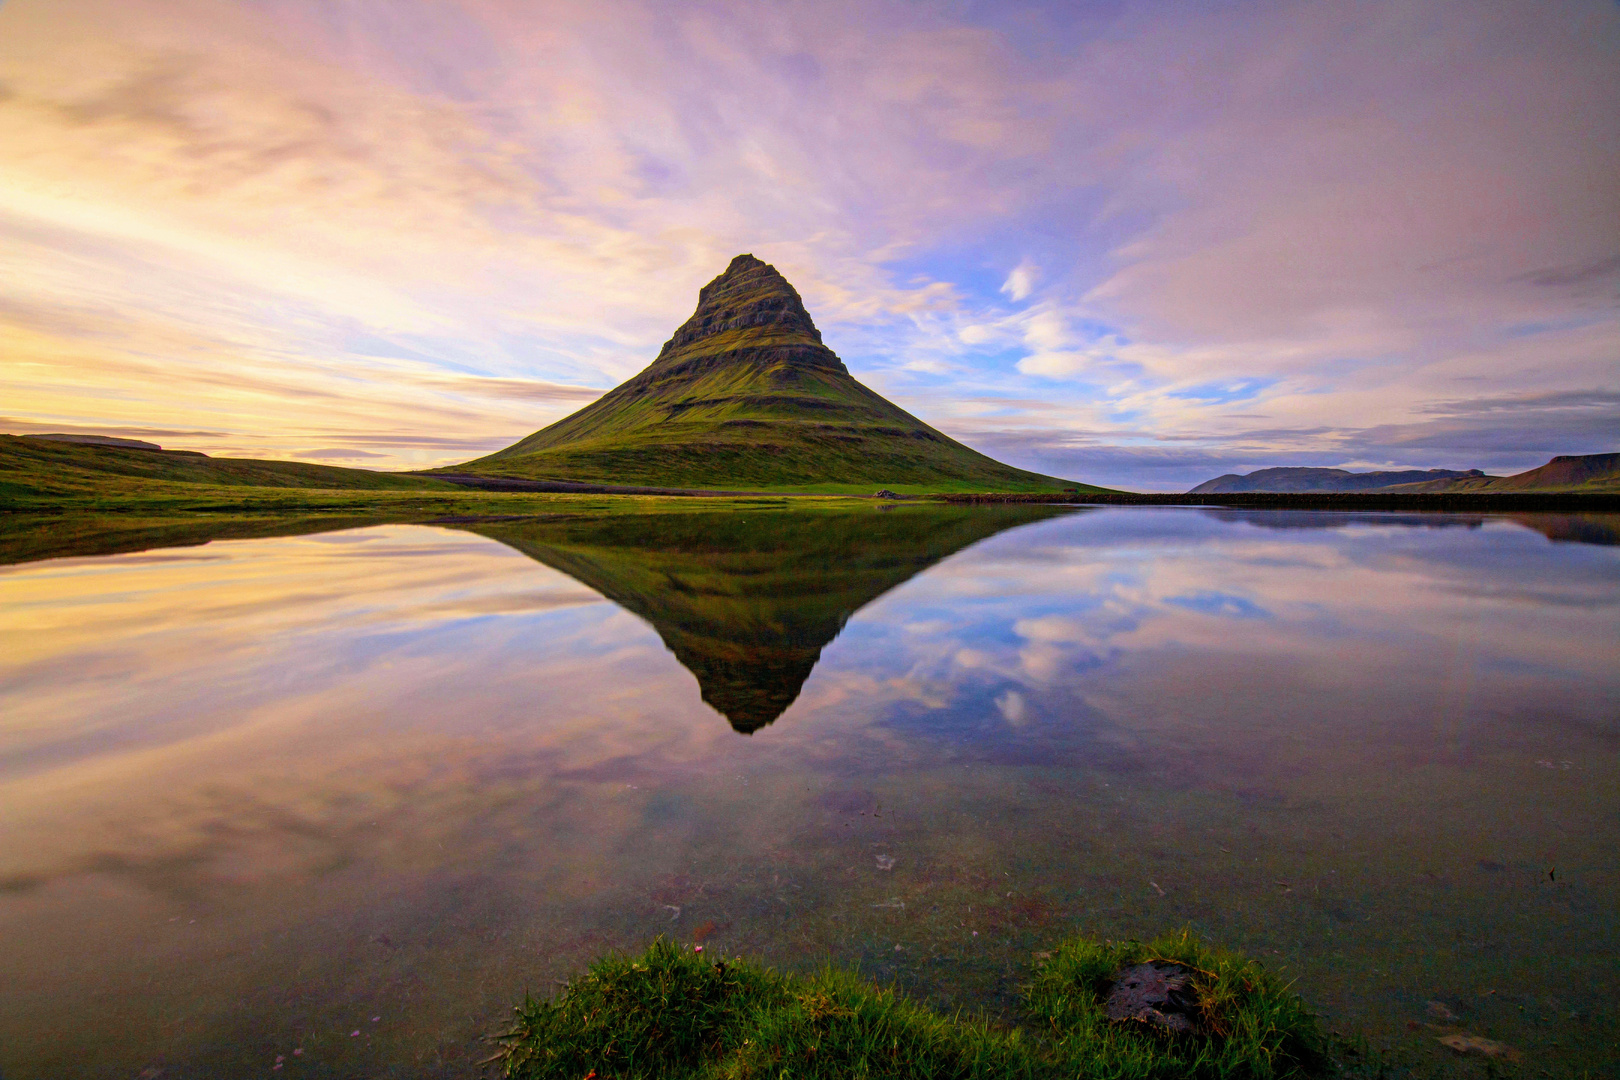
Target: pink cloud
1369 208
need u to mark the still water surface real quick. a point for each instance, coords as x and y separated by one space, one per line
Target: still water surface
353 793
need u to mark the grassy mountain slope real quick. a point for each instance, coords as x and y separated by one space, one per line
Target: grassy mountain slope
1593 474
746 396
35 468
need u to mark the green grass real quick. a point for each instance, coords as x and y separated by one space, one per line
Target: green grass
757 427
39 468
1253 1025
669 1012
36 474
779 455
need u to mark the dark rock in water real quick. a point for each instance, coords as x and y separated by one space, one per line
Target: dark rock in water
1158 993
884 493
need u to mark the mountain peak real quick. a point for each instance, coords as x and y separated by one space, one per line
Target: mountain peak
751 295
746 395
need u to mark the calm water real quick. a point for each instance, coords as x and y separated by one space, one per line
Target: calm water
352 793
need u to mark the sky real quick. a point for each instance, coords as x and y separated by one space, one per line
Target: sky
1138 245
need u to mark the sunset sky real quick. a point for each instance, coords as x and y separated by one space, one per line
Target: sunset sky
1132 244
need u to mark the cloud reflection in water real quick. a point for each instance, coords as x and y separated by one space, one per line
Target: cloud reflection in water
419 735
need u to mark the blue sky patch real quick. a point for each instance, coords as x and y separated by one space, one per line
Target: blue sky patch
1224 392
1219 603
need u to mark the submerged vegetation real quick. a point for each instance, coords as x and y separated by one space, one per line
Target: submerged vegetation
670 1012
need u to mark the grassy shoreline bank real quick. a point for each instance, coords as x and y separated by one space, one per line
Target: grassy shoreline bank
669 1012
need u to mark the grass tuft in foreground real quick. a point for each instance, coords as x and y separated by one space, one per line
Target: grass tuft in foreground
1249 1024
669 1012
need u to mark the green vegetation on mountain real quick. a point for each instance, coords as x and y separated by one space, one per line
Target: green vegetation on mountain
35 470
1593 474
748 597
71 498
746 396
670 1013
1290 478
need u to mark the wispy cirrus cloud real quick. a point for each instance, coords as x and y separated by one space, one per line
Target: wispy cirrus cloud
291 221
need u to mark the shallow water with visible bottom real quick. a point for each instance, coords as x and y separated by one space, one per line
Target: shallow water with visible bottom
336 801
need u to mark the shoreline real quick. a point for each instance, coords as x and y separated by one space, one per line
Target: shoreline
1475 502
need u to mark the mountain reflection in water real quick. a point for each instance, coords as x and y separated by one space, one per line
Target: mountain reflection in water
746 602
257 792
1602 529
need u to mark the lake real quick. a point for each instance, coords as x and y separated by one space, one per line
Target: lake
344 797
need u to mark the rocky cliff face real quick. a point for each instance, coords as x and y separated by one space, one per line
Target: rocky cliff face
748 315
749 293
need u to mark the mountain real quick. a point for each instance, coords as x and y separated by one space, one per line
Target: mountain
746 396
747 601
1570 473
1305 479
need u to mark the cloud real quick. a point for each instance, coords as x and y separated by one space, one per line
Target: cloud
1498 430
1014 708
1021 281
1602 270
1223 392
1500 435
518 389
1277 229
1572 400
338 454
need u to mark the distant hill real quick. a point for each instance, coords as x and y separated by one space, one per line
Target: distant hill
1572 473
746 396
33 466
100 440
1307 479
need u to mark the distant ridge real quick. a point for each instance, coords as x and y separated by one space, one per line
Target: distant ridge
746 395
1571 473
1288 478
100 440
1567 474
43 467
